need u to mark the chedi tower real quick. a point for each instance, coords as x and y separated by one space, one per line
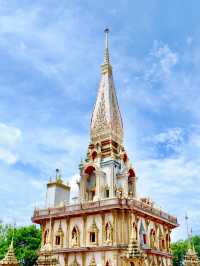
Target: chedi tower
108 224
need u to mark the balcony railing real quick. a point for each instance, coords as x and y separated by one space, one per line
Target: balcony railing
127 203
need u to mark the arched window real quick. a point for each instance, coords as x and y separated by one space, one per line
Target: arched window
163 244
94 155
93 234
144 239
131 173
135 231
106 191
143 235
90 183
89 170
167 242
108 263
46 236
59 236
161 239
75 237
58 242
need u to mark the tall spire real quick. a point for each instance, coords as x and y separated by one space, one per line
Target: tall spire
106 120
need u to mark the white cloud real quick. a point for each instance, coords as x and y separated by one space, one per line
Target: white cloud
7 156
10 137
172 135
37 184
51 148
74 186
170 140
167 58
173 182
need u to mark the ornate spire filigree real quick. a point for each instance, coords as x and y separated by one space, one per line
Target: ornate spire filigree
106 120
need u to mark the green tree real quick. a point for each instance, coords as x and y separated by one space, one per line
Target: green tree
26 243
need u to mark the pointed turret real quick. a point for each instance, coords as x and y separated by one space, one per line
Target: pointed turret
93 262
191 258
10 258
46 255
134 254
106 120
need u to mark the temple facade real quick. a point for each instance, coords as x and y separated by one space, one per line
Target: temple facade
107 224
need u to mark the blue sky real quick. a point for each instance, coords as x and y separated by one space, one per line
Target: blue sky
50 68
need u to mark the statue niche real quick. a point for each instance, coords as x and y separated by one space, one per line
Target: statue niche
109 233
90 183
135 230
152 239
131 183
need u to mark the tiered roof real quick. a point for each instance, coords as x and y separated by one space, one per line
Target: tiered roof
10 258
191 258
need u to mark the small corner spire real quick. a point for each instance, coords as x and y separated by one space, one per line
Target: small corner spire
106 52
188 233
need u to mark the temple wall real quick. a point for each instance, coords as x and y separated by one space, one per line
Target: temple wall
121 223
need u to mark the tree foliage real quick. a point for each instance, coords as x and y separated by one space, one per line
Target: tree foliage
26 242
179 249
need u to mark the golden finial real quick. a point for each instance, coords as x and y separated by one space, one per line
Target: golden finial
106 52
106 67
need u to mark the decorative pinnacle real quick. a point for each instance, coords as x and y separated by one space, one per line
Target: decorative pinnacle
188 233
106 52
57 172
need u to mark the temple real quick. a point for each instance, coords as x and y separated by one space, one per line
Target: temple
107 224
